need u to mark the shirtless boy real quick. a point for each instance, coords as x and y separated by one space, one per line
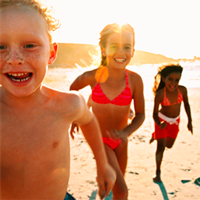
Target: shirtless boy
35 151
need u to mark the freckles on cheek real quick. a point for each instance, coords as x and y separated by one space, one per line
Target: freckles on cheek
3 58
34 56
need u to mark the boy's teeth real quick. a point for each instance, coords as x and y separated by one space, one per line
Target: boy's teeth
17 74
19 77
19 80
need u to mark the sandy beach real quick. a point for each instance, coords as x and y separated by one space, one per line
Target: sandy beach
180 167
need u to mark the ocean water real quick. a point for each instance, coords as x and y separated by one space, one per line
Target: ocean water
190 76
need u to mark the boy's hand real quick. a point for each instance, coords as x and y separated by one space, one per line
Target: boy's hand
72 130
190 128
106 180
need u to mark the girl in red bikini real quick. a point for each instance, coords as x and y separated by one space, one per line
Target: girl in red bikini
113 89
169 94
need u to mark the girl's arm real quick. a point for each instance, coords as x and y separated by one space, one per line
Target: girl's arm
158 99
187 108
85 79
156 109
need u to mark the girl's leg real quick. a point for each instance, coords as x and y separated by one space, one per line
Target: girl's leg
120 190
159 155
170 142
122 155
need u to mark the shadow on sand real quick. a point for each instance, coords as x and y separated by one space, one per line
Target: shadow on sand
94 195
163 190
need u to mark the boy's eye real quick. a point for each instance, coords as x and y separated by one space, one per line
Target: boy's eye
2 47
127 47
29 46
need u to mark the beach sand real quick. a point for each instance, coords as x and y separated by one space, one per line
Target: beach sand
180 167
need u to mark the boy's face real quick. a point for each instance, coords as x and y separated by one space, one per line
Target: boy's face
24 50
119 49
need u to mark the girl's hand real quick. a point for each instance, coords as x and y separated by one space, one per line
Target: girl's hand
72 130
190 127
162 125
117 134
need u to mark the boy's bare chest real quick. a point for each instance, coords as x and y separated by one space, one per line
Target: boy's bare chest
35 133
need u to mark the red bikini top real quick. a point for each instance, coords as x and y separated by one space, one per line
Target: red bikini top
123 99
166 101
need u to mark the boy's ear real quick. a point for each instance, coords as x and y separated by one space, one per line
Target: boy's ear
53 53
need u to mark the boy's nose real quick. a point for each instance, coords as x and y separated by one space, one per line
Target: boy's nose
15 58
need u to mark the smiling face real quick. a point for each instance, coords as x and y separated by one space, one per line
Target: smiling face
119 49
172 80
25 50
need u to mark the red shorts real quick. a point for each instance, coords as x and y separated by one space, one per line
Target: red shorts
171 130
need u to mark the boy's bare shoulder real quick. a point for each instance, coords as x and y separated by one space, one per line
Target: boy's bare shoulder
63 101
71 105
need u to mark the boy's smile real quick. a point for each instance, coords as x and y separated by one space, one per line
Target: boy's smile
24 50
19 77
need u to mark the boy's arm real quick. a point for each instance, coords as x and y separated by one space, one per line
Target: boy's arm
187 109
91 131
80 82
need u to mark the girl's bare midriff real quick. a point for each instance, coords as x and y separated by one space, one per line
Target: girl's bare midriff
109 118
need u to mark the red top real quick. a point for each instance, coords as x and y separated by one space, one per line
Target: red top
166 101
123 99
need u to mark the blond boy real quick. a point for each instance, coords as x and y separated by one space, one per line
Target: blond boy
35 151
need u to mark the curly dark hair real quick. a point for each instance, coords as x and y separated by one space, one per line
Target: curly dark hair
164 71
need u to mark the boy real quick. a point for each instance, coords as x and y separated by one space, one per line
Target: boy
35 153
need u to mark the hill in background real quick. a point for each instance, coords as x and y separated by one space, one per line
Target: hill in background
85 55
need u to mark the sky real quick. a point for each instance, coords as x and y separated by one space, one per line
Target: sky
167 27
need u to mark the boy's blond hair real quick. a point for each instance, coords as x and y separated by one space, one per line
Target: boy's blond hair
52 22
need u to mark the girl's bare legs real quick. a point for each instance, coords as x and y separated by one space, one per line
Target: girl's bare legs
120 190
170 142
122 156
151 140
161 144
159 155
